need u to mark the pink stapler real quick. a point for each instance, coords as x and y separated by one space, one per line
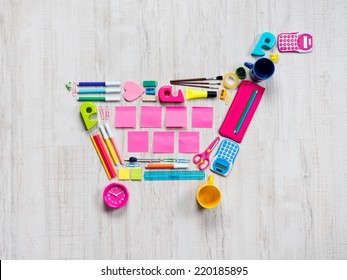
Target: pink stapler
166 96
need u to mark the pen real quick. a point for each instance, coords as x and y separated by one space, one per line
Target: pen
99 90
166 166
98 84
113 141
99 98
177 160
108 144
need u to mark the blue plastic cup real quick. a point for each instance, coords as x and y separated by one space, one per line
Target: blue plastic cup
261 70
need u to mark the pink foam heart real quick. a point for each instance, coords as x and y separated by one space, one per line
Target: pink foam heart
132 91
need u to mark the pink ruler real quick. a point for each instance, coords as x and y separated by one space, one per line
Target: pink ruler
236 109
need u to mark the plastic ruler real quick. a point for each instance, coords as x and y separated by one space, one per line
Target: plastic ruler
173 175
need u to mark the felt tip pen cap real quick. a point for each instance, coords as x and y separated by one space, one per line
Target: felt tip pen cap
112 98
112 84
103 131
108 129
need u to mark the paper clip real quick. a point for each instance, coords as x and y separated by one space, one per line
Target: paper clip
74 89
68 86
107 113
228 98
101 112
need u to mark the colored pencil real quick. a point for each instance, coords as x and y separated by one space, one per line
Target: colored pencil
113 141
100 157
104 154
108 144
245 111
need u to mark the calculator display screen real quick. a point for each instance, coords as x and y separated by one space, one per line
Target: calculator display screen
220 166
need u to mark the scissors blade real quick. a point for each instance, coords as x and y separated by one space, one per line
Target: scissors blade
213 144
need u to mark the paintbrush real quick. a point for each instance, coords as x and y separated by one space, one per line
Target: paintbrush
219 78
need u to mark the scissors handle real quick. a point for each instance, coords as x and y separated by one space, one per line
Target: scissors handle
197 158
204 163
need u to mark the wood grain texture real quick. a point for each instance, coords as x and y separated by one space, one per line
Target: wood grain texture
286 197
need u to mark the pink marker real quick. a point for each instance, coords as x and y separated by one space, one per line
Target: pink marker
113 141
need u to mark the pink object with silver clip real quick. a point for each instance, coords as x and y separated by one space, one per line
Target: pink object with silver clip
107 113
101 112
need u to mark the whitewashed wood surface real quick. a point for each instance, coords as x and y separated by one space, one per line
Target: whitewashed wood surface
286 197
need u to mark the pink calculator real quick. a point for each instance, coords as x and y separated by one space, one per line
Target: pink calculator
294 42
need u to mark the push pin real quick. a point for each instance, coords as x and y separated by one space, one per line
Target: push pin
274 57
69 86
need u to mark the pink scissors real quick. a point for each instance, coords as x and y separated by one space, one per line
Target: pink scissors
202 160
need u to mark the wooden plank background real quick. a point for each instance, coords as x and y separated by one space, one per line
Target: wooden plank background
286 197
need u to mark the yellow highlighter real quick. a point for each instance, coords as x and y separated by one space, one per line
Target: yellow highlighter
109 144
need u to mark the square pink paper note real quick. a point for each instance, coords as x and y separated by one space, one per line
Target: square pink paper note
189 142
150 116
163 142
125 116
202 117
176 116
137 141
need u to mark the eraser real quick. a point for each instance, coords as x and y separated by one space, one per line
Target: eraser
149 98
150 84
150 91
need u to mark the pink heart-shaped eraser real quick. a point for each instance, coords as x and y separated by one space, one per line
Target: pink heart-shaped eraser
132 91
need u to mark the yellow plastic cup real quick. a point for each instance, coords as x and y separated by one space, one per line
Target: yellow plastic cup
209 195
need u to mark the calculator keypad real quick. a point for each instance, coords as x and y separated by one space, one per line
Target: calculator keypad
228 151
287 42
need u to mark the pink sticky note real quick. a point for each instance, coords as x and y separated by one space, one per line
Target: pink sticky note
202 117
163 142
138 141
176 116
125 116
189 142
150 116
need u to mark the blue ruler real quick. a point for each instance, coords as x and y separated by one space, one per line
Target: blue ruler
173 175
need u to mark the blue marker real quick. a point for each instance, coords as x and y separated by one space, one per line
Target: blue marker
99 90
98 84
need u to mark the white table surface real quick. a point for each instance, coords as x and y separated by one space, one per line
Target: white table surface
286 197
